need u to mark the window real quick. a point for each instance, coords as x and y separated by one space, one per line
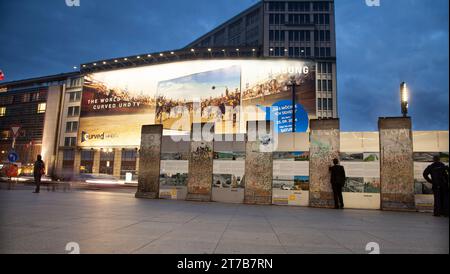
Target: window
68 159
68 155
330 104
6 100
75 96
321 6
277 6
322 52
2 111
330 85
324 104
253 18
319 104
75 82
5 134
319 85
276 19
299 6
73 111
299 36
299 19
35 96
87 161
26 98
324 85
277 51
128 164
276 35
321 19
42 107
71 126
70 141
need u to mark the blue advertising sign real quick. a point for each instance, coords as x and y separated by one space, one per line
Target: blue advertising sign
281 114
13 157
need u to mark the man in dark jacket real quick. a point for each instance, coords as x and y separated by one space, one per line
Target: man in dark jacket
38 171
337 182
439 180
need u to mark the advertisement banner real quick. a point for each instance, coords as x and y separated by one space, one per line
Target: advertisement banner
229 93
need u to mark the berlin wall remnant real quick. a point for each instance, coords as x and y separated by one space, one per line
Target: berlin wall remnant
149 162
200 174
396 164
259 147
324 147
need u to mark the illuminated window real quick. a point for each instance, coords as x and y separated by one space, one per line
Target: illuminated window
42 107
2 111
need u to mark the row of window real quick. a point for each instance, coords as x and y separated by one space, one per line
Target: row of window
276 35
41 108
325 104
324 85
322 36
128 163
300 35
322 52
299 6
300 52
299 19
324 67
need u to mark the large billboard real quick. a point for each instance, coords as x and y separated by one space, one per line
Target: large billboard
117 103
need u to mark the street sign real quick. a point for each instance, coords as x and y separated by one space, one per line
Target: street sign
13 157
15 129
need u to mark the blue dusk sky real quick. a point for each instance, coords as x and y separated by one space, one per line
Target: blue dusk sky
378 47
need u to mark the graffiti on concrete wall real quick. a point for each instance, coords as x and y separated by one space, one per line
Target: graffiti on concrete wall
260 144
150 156
397 167
324 148
201 168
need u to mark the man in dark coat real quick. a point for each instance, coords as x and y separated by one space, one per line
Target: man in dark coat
38 171
439 180
337 182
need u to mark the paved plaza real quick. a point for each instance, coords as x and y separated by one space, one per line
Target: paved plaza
114 222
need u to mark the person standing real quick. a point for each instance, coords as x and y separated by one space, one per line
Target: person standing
38 171
439 180
337 182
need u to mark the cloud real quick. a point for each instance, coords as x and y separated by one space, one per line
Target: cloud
403 40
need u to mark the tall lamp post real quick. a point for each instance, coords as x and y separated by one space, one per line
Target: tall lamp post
404 99
293 85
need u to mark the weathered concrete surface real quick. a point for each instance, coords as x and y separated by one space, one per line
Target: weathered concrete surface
149 162
201 158
396 164
325 144
259 163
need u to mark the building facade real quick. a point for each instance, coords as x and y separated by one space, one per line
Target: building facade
294 29
32 107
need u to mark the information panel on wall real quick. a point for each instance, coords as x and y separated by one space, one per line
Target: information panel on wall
228 93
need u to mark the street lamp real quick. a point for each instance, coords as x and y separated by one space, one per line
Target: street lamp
293 85
404 99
